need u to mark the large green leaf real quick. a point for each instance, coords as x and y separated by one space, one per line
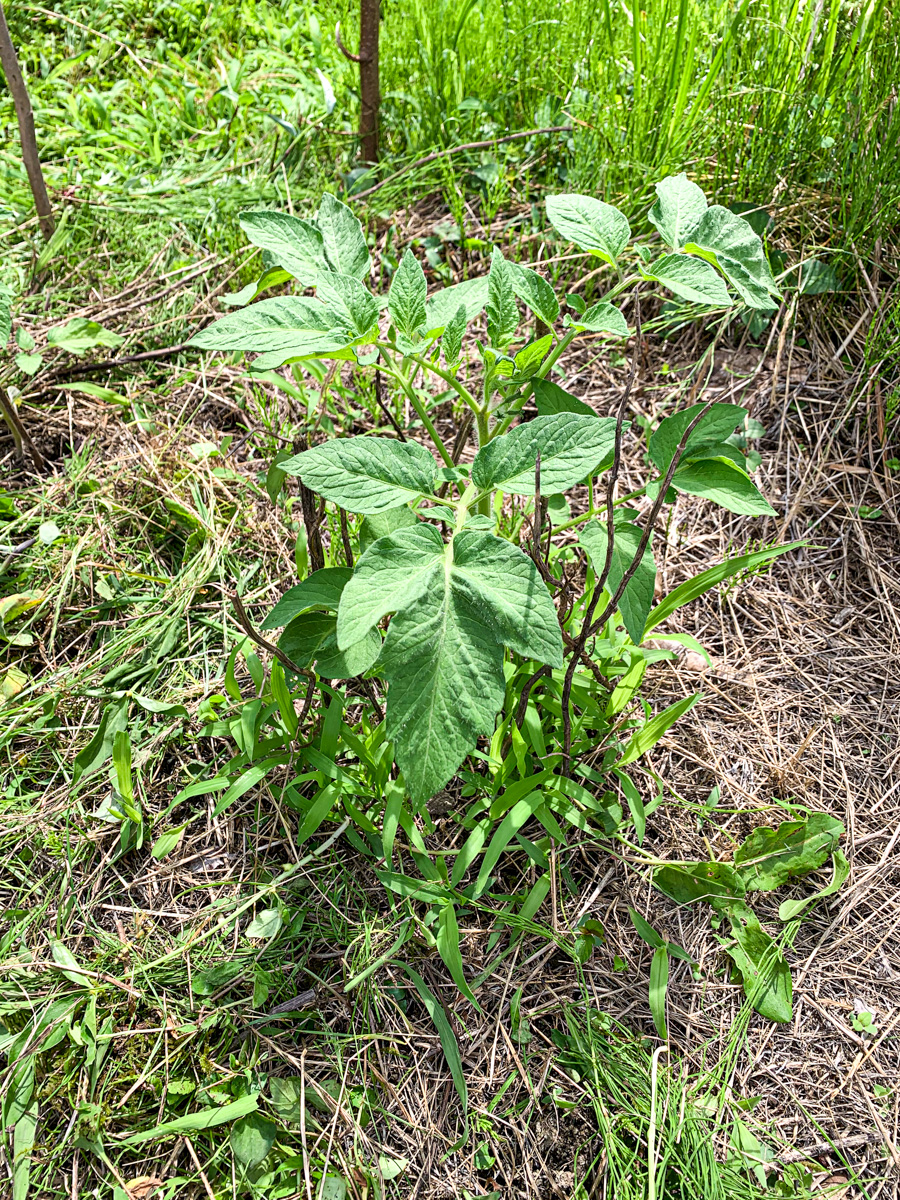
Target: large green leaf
456 607
501 309
571 447
393 572
769 857
407 295
503 585
312 637
700 584
343 238
637 599
689 278
550 399
444 670
717 425
723 482
321 590
366 474
442 306
590 224
679 209
728 241
282 328
296 245
535 292
349 302
379 525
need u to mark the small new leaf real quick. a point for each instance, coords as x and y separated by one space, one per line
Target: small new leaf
407 295
451 342
343 238
502 313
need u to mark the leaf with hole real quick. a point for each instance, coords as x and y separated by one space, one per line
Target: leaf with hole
770 857
789 910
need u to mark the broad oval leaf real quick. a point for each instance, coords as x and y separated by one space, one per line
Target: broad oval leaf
591 224
550 399
343 238
679 208
295 244
764 969
350 304
727 240
282 327
456 607
602 318
252 1137
717 425
687 883
723 482
366 474
312 637
322 590
637 599
379 525
392 573
689 278
571 447
407 295
442 307
504 585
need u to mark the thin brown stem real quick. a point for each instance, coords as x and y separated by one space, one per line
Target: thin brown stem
9 60
581 639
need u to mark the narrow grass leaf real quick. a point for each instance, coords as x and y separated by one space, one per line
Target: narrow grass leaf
447 939
659 983
449 1043
647 737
